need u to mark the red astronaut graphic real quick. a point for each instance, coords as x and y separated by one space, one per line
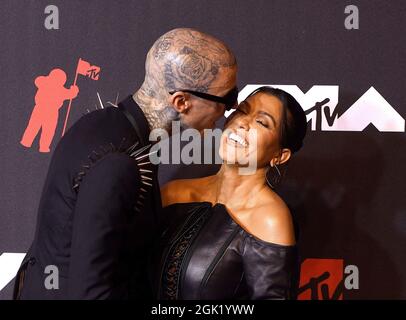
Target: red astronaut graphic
49 99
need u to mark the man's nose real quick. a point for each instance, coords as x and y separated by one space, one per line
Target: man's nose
234 106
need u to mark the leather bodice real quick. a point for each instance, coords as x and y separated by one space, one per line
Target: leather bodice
204 254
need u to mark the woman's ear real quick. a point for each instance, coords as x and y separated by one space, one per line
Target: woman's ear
180 101
283 157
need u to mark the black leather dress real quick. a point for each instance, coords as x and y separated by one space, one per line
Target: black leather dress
204 254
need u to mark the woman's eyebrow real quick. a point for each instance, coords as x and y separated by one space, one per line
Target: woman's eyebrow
269 115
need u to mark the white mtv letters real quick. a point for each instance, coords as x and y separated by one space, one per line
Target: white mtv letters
9 264
320 104
371 107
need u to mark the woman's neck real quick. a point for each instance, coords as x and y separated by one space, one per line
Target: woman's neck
236 190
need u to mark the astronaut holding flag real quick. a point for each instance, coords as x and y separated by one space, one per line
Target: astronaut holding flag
49 98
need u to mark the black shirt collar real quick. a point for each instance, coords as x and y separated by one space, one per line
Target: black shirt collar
136 117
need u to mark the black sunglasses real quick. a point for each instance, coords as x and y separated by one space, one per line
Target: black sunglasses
229 100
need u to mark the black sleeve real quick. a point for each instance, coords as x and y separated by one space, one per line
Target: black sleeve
271 270
101 226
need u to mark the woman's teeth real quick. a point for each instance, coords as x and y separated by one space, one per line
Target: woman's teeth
235 137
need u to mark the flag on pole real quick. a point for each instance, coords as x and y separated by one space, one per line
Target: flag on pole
86 69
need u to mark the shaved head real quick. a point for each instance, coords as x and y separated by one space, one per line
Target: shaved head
189 59
183 59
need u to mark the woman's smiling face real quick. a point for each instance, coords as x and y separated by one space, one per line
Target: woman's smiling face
253 129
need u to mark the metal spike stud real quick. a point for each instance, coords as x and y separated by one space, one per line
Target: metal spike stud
139 151
100 101
112 104
146 155
143 163
131 148
148 184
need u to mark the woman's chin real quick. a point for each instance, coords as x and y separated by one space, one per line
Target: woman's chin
239 159
233 159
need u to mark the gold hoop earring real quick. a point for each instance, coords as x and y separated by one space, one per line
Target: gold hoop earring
276 179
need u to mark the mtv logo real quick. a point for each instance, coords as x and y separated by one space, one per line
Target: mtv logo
325 279
321 279
320 102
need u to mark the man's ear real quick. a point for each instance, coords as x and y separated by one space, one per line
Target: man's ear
283 157
180 101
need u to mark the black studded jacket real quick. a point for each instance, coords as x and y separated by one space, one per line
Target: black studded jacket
97 213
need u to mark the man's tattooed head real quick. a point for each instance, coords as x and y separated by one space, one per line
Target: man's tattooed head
183 59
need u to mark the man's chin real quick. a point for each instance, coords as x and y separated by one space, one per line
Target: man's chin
184 126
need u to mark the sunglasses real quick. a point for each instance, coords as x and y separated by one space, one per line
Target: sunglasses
229 100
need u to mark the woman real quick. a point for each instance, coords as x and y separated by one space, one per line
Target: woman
230 236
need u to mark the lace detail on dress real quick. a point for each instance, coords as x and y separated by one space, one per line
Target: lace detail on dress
177 253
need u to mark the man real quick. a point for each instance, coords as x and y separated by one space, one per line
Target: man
99 205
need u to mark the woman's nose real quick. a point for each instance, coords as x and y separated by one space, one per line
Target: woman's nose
243 122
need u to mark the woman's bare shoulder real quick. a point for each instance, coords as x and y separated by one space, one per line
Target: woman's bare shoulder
181 190
272 221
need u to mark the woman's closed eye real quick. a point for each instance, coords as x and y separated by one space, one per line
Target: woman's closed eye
263 123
